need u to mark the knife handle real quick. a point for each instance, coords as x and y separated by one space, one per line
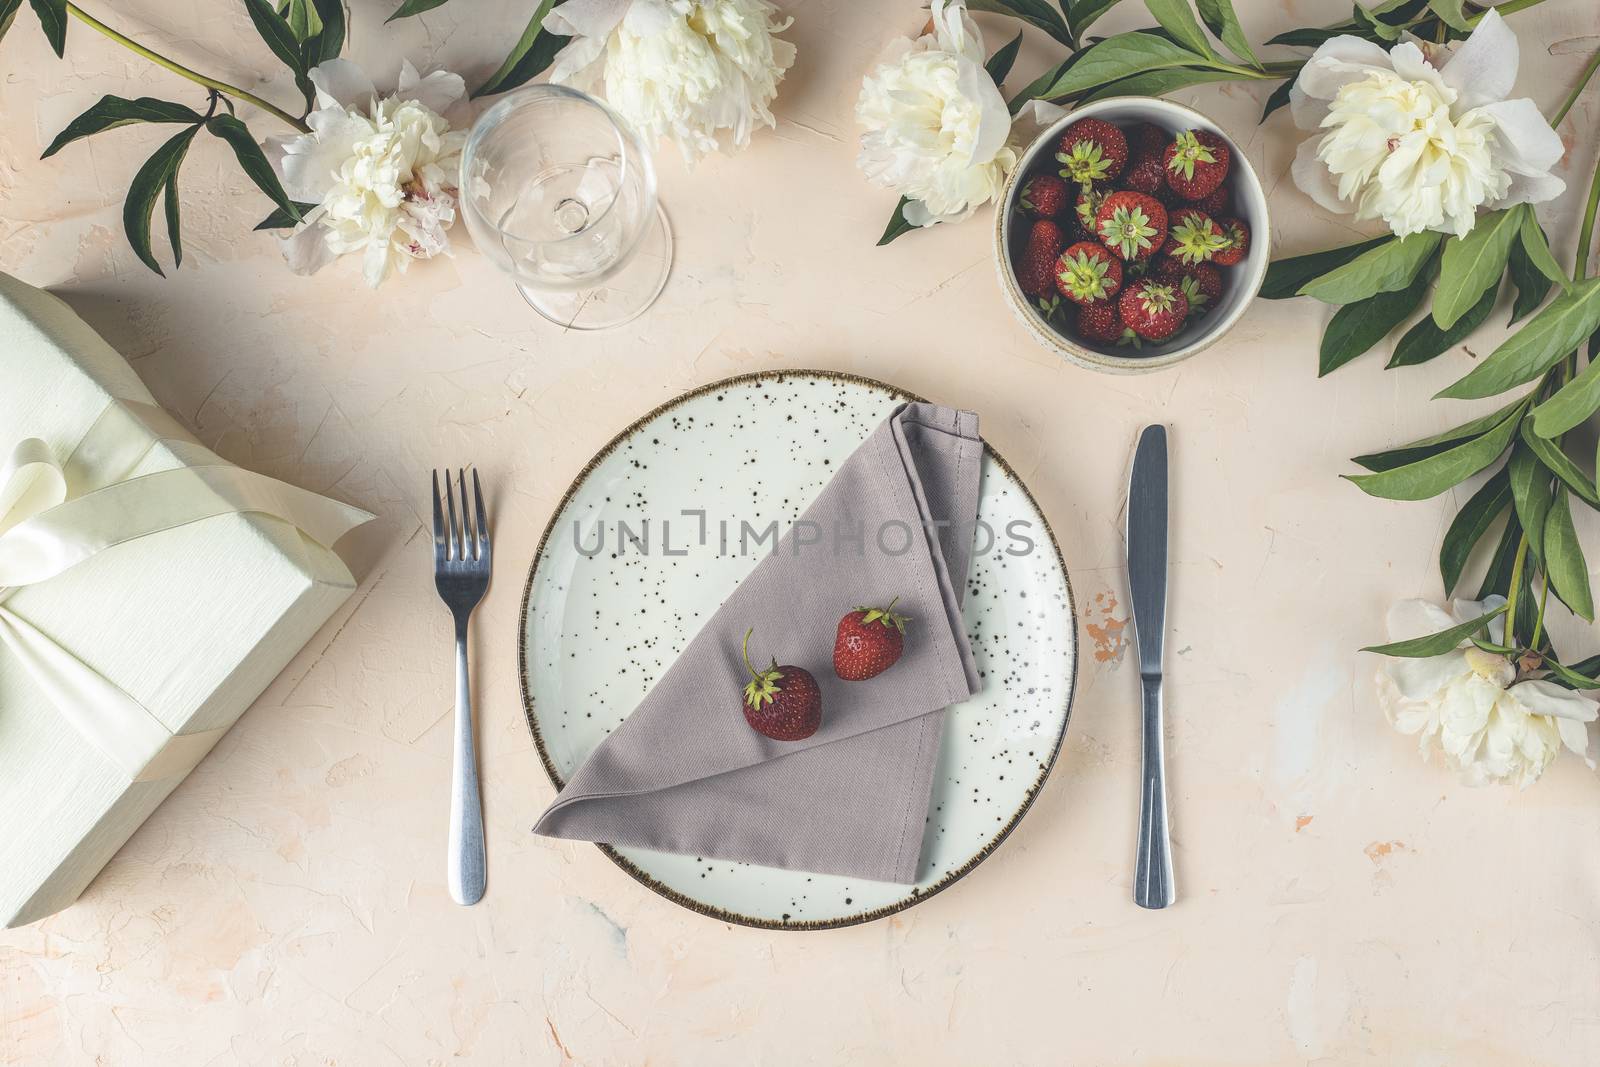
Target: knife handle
1152 878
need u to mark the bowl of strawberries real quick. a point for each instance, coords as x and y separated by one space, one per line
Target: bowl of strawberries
1131 235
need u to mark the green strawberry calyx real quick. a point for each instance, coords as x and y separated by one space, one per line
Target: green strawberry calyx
1197 239
763 686
1128 230
1084 162
1088 206
1192 292
1027 196
884 617
1156 298
1189 152
1050 307
1084 276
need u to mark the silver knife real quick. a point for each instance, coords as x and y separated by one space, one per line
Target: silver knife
1147 578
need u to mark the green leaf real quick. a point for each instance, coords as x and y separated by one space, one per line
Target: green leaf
8 15
1387 267
1159 82
1425 340
53 20
304 20
1176 17
1571 677
279 37
1278 98
1286 277
1537 346
151 179
1041 85
281 219
1472 264
1037 13
1436 443
1433 475
1080 13
330 42
1530 493
1308 37
534 51
1532 285
1119 57
1497 578
1564 562
999 64
174 230
109 112
1223 21
1537 246
1450 13
1571 404
1440 643
897 223
1550 454
414 7
1469 526
1376 27
252 160
1355 328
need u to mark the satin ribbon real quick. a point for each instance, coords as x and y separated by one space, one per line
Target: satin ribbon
53 516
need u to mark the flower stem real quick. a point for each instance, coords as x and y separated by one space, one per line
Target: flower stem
1538 622
1577 90
1580 266
1516 587
182 71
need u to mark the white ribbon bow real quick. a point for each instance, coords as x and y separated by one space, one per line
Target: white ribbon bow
53 516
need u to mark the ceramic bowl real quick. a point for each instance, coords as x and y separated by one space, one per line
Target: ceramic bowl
1241 281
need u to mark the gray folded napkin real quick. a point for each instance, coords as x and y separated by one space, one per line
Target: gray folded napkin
685 773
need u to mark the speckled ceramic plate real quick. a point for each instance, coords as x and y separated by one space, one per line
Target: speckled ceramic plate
598 629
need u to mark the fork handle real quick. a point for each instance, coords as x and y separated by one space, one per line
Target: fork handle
1152 879
467 870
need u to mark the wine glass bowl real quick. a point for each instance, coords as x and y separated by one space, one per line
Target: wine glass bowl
559 192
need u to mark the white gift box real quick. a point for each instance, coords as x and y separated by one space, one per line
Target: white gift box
149 592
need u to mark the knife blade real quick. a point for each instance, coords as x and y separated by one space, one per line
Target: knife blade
1147 581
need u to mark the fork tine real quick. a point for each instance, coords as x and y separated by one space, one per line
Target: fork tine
483 521
469 540
438 522
453 538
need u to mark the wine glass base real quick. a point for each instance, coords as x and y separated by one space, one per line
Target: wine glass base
622 297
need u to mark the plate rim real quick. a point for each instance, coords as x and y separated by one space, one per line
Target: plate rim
915 896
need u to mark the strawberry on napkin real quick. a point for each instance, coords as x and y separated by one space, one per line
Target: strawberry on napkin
801 726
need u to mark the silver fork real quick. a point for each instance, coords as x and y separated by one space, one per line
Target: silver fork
461 572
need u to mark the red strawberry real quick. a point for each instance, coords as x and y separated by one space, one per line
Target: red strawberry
1153 309
1201 283
1131 224
1100 321
1044 196
1194 236
1086 272
869 642
1238 242
1036 270
1214 203
1091 151
782 703
1146 139
1086 206
1145 174
1196 163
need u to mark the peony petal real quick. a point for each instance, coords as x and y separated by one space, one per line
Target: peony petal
1306 110
1417 618
438 92
1527 143
1411 63
1337 61
343 83
578 63
1530 189
1424 678
1484 67
1466 610
1546 698
956 31
306 250
586 18
994 121
1312 176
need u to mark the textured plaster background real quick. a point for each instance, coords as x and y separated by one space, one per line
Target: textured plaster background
1340 902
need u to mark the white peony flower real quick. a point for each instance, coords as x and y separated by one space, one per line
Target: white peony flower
1468 703
677 68
382 171
936 122
1422 137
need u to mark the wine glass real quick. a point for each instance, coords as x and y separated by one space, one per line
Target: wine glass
559 192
